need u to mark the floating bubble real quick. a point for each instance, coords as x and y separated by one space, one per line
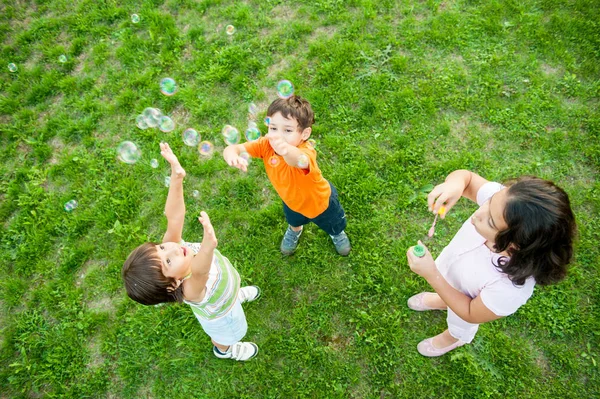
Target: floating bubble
140 121
166 124
152 116
205 148
303 161
154 163
312 143
128 152
252 134
191 137
168 87
70 205
230 29
62 59
195 193
230 134
274 160
252 124
167 181
135 18
267 121
12 67
244 155
252 111
285 89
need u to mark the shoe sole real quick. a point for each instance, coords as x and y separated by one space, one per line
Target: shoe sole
257 295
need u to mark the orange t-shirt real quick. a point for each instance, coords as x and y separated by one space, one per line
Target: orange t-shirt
303 190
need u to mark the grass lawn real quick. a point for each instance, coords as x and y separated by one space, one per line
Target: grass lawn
404 92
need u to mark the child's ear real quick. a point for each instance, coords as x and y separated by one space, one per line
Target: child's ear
306 133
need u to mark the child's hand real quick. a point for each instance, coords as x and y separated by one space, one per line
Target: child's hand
171 158
446 195
209 239
236 161
278 143
424 266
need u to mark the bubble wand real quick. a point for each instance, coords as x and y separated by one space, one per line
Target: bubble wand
441 211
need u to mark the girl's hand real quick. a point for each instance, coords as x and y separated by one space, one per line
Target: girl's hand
445 194
209 239
423 266
278 143
171 158
236 161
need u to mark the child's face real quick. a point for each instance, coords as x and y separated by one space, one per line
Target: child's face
175 259
288 129
489 218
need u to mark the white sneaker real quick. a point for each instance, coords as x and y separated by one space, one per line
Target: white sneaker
240 351
249 293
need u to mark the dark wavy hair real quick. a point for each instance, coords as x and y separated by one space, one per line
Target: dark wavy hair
144 280
540 233
297 107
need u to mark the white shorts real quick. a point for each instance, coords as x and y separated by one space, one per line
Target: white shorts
459 328
229 328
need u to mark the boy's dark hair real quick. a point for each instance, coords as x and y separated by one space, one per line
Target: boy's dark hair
144 280
540 233
295 106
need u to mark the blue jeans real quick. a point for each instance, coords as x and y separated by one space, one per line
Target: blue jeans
332 220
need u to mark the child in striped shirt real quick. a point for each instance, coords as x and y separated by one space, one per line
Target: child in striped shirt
198 275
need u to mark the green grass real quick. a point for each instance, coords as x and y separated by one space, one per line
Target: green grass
404 92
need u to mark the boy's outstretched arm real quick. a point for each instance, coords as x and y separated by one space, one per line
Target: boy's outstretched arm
231 154
175 206
202 261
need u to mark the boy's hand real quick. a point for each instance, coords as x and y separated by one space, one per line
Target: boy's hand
278 143
210 239
236 161
171 158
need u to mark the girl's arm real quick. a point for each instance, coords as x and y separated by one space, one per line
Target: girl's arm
292 155
196 287
458 183
470 310
175 206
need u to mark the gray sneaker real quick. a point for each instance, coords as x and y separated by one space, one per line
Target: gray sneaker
290 241
342 244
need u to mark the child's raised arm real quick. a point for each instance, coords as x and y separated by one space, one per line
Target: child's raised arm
458 183
201 263
232 157
175 206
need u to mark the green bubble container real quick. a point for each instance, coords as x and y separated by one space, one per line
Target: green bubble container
419 250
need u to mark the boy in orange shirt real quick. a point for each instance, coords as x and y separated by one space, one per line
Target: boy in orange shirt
291 165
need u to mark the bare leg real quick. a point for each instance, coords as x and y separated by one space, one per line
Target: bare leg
222 348
443 340
433 300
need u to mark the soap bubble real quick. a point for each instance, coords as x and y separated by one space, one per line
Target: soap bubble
274 160
252 111
312 143
191 137
267 121
230 134
168 87
140 121
285 89
135 18
252 124
167 181
154 163
166 124
62 59
12 67
152 116
252 134
195 193
303 161
230 29
205 148
70 205
244 155
128 152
